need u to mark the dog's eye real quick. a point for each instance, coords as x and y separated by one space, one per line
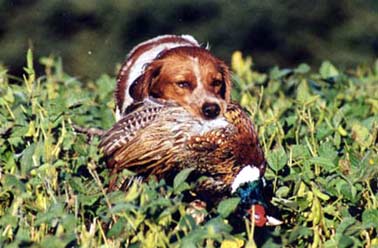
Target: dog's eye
216 83
183 84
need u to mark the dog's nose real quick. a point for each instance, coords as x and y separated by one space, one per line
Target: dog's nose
210 110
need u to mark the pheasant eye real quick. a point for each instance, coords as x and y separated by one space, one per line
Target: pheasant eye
216 83
183 84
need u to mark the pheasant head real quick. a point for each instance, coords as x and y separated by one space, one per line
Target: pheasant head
249 187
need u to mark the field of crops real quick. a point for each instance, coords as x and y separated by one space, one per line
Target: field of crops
318 128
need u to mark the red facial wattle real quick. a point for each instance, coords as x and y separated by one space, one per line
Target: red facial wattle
259 216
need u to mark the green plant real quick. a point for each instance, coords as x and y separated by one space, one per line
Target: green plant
318 130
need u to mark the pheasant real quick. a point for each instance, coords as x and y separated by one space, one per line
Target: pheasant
159 138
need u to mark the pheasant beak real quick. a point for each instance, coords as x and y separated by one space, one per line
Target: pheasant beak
271 221
259 217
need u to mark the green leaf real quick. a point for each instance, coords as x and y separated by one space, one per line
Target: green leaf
180 179
345 225
217 226
27 159
362 135
298 232
29 59
56 242
348 191
12 182
338 117
300 152
23 234
282 191
77 184
69 222
53 213
328 70
325 163
117 228
9 220
302 69
227 206
182 187
277 73
323 131
345 241
303 92
370 218
133 192
105 86
87 200
327 150
277 159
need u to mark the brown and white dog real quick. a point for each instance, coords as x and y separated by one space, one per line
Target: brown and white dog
174 68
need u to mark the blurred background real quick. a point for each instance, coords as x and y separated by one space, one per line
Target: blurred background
93 37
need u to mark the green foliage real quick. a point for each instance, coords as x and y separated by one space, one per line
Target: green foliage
318 130
92 36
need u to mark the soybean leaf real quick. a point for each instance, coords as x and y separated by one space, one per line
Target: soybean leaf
180 178
277 159
227 206
370 218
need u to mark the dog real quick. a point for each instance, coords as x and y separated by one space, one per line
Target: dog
175 68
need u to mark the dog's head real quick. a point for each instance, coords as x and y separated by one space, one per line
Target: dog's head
191 76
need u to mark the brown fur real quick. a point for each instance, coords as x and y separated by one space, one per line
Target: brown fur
123 74
204 79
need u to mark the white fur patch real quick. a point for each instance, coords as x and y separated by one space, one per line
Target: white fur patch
197 73
245 175
118 114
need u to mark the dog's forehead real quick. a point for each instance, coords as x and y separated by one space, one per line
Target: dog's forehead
186 63
183 53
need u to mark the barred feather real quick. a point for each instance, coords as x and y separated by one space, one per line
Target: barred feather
159 138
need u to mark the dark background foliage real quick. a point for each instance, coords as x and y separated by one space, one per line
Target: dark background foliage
93 36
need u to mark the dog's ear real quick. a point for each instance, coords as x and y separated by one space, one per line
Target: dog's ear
226 88
142 86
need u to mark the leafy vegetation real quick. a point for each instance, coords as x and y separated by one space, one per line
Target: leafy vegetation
92 36
318 130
